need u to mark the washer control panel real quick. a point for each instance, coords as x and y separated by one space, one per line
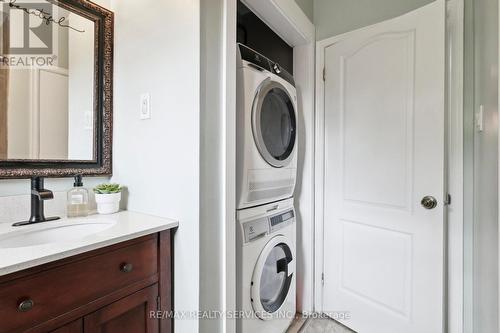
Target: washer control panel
255 229
281 220
260 227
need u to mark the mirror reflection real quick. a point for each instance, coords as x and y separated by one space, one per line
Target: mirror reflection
47 106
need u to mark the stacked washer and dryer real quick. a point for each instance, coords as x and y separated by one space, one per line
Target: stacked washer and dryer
266 174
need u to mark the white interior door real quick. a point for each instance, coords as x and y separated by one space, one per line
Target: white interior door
383 153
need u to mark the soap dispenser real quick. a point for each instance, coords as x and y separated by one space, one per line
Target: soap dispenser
78 199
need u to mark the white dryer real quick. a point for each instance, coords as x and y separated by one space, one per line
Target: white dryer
266 268
266 130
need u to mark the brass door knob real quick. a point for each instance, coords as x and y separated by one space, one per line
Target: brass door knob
429 202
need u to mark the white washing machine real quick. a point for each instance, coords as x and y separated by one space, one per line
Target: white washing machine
266 268
266 130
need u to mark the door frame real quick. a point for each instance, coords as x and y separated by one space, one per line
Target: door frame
454 219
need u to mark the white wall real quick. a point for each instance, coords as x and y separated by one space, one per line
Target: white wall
157 50
334 17
307 7
485 164
212 197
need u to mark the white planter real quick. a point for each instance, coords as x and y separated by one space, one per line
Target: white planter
108 203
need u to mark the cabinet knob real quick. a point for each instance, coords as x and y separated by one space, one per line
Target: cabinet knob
26 305
126 267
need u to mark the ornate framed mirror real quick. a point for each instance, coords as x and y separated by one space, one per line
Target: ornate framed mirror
56 88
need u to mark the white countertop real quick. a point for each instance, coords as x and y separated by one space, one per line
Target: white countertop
122 226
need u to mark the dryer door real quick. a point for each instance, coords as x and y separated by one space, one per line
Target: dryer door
274 123
272 278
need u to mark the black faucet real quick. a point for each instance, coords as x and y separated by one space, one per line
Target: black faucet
38 196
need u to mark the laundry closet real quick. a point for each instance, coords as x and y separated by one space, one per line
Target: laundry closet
268 122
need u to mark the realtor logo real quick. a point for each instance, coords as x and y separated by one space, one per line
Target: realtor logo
28 24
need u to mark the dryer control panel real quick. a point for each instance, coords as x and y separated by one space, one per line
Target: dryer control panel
262 62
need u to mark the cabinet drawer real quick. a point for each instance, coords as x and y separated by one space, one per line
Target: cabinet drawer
37 298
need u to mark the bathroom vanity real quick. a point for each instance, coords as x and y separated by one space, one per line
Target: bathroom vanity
113 280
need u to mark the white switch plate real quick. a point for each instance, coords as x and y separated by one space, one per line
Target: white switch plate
145 110
480 119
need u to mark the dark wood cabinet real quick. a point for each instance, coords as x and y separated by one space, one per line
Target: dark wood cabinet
113 289
131 314
73 327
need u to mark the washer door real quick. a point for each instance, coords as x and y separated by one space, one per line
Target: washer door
274 123
272 277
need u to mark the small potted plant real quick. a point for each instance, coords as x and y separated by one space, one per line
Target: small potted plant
107 197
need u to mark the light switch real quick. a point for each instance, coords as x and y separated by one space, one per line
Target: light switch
145 106
480 119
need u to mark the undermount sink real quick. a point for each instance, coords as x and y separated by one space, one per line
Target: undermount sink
54 234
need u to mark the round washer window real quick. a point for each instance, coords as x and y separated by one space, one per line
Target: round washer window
275 125
275 279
